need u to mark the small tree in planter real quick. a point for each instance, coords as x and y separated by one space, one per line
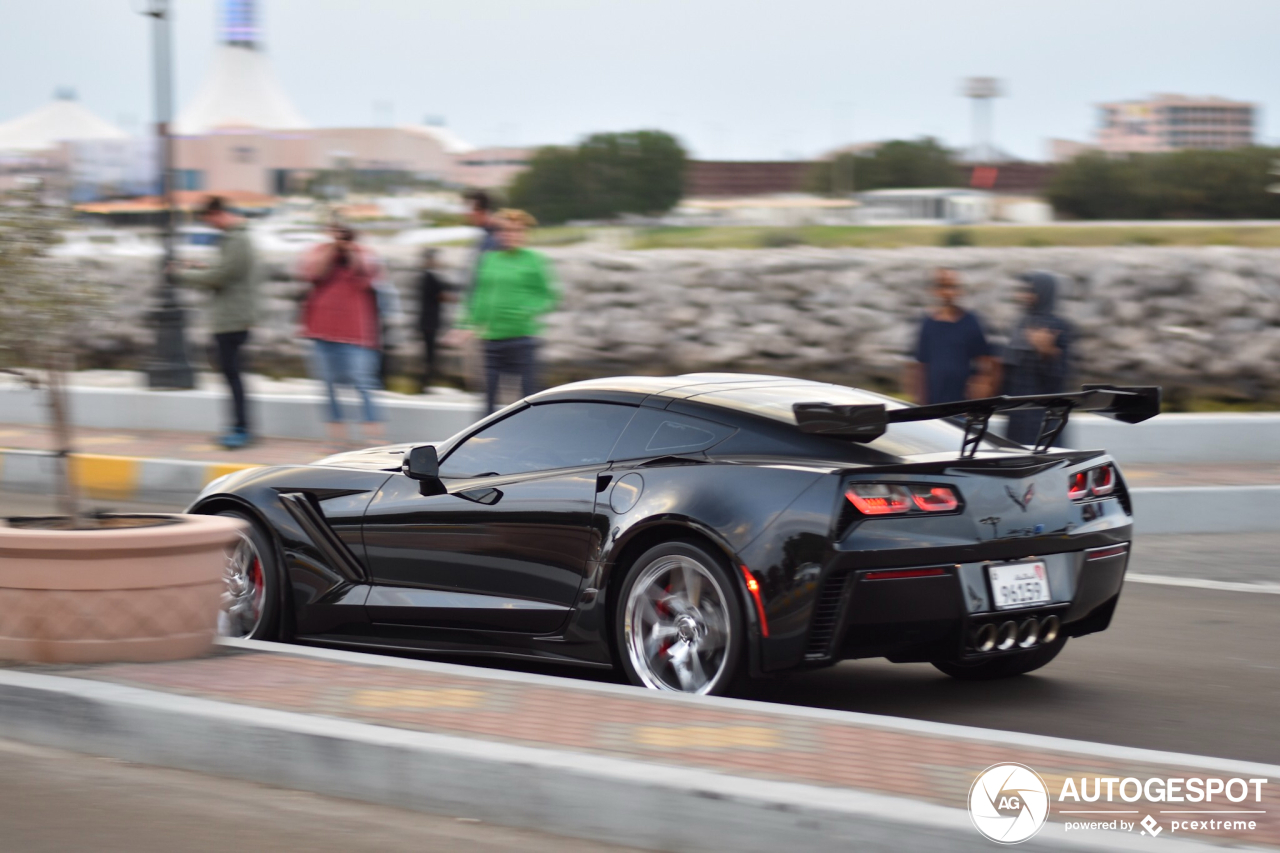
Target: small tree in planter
44 303
75 588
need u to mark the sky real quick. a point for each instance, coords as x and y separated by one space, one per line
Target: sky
748 79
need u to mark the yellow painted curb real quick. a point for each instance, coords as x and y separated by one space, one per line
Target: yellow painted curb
214 470
105 476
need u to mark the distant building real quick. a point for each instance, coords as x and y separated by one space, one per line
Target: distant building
241 90
1012 178
242 133
489 168
1063 150
63 119
737 179
1174 123
37 144
925 206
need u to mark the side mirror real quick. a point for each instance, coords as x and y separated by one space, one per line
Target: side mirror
421 463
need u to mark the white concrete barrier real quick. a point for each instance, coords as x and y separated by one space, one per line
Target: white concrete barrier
1206 509
1182 438
272 415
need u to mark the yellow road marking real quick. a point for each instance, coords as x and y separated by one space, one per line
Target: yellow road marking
707 737
214 470
448 697
105 476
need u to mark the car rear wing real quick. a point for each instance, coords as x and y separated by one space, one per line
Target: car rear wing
864 423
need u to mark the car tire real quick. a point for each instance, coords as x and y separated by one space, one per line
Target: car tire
1005 666
251 598
678 621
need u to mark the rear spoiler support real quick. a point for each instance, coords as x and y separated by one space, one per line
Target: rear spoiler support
1130 404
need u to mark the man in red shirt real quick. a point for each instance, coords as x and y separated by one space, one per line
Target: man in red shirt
341 316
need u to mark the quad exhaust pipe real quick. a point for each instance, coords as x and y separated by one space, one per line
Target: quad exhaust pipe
984 639
991 637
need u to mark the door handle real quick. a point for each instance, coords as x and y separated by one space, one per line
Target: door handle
602 482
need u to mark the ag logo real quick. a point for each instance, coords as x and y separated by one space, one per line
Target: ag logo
1009 803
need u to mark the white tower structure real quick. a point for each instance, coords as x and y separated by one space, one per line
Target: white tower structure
242 90
982 91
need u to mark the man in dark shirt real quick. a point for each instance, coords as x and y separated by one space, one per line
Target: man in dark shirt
1037 358
433 291
953 360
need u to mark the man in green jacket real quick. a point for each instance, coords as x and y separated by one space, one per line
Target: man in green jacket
233 287
514 287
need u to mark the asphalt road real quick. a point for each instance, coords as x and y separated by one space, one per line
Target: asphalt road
58 802
1185 670
1181 668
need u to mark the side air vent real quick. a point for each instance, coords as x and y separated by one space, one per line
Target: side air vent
331 549
826 615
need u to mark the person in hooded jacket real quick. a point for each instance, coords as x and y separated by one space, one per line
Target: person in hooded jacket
1037 358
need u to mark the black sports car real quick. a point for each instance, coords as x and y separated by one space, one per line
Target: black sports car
692 529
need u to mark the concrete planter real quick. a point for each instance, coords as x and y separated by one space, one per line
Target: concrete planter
122 594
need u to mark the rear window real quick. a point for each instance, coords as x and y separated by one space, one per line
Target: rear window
654 432
899 440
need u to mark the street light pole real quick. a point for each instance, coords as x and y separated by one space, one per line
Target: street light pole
169 366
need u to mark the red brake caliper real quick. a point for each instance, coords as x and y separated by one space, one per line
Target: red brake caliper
662 609
255 575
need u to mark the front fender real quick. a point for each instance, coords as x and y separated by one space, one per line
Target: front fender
313 515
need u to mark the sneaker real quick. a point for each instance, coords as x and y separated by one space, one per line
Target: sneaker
236 439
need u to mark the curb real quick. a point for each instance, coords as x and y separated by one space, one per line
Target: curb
1190 509
574 794
122 478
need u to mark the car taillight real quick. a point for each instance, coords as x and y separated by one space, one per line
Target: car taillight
900 499
1078 485
879 499
1103 481
1096 482
935 498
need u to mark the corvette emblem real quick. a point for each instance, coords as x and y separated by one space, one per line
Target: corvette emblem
1024 501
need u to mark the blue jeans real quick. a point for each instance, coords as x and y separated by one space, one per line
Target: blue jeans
511 355
348 364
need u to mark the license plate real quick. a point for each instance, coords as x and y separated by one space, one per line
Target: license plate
1019 584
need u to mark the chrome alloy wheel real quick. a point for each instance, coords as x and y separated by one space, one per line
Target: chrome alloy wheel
244 592
676 626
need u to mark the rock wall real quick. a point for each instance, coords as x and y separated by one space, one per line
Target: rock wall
1199 318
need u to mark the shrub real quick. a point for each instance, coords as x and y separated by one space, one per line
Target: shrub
1193 184
607 174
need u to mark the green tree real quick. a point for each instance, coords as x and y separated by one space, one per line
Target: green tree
899 164
1095 186
46 304
551 188
607 174
1192 184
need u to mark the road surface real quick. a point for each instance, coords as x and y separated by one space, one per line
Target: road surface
56 802
1182 668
